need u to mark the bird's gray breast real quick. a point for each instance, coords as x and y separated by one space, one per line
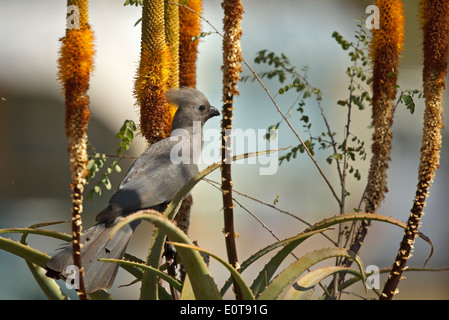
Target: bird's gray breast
152 180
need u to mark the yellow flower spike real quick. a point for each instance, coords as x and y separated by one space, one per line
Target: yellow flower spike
390 33
386 45
189 27
172 36
83 9
75 65
434 16
153 73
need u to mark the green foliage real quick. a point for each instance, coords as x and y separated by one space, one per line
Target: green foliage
97 161
201 35
351 148
126 136
359 80
133 2
407 97
283 70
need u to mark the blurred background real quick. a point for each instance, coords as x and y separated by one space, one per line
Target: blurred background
34 169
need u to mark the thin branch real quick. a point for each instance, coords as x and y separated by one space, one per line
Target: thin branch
294 131
121 156
271 206
360 235
320 106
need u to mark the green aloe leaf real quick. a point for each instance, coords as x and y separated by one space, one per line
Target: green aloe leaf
202 283
100 295
304 287
42 232
270 268
173 282
34 259
48 286
24 251
135 271
187 290
286 277
296 240
360 216
150 282
247 294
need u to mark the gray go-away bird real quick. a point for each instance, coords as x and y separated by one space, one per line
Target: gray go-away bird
151 183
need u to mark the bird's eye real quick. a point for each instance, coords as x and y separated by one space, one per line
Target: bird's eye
202 107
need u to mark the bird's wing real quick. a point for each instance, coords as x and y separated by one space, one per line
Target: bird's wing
152 180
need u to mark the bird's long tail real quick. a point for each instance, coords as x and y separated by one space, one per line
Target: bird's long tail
96 244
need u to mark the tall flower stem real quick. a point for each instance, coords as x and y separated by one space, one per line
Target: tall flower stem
435 26
232 57
189 27
386 45
75 65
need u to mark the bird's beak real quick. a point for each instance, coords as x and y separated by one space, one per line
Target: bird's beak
213 112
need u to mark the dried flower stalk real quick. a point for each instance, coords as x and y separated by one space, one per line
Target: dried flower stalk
232 58
386 45
75 66
189 27
435 26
